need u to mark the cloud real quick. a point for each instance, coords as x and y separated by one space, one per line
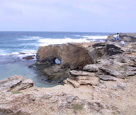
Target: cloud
68 15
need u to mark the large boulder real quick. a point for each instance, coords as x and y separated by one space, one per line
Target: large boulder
71 56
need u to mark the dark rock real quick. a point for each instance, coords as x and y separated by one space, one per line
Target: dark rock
98 51
112 50
22 53
29 57
105 49
56 73
99 45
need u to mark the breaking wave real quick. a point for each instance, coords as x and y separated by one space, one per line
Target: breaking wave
49 41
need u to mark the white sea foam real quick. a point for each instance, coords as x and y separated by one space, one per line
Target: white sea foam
17 56
49 41
23 53
29 38
2 52
28 44
77 35
95 37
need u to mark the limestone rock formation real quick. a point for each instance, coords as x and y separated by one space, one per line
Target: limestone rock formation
71 55
29 57
15 83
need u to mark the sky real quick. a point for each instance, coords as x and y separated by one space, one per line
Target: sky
68 15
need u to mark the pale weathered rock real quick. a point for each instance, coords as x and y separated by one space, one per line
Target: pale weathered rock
82 78
81 73
91 67
122 86
73 82
46 96
66 100
118 74
90 81
70 98
130 68
27 83
15 83
130 73
107 78
95 105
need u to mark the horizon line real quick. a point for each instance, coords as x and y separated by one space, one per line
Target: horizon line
55 31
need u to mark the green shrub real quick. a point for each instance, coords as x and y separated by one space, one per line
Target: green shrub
77 107
16 92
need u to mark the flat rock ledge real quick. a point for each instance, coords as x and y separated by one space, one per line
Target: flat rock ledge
15 83
111 69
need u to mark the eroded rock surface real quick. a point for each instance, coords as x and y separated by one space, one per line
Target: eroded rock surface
46 101
104 98
71 55
15 83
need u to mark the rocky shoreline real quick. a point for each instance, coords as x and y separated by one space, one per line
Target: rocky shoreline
99 78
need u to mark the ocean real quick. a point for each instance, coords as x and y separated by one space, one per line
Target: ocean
16 45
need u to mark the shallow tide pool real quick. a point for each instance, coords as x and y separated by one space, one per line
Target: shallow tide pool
22 69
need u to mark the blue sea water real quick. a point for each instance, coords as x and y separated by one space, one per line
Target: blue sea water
16 45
